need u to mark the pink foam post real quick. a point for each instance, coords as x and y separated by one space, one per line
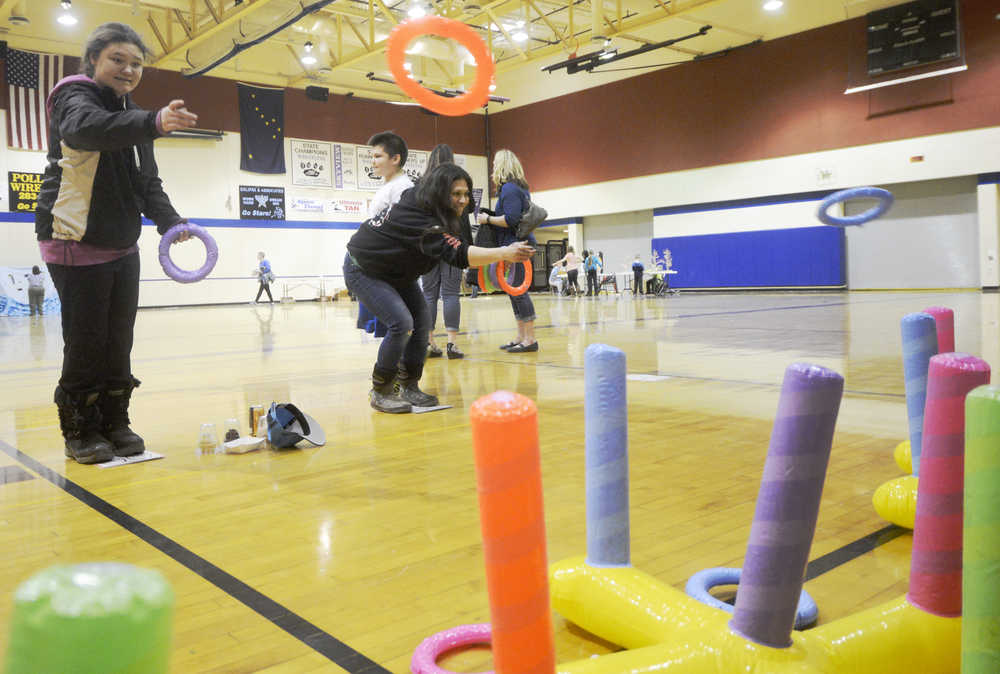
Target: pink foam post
944 320
936 564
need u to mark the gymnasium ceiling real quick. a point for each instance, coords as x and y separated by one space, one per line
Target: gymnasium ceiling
348 36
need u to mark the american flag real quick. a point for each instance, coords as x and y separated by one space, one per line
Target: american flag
30 78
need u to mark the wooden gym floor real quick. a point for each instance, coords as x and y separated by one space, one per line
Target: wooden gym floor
354 552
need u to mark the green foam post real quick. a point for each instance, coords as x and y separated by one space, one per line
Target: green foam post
94 618
981 533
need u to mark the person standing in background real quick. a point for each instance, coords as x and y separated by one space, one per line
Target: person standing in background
265 276
572 263
444 280
637 270
36 290
592 263
512 201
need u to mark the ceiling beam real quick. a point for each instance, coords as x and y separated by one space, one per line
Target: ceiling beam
642 20
211 10
156 31
234 15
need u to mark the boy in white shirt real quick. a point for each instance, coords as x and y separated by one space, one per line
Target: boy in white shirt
388 160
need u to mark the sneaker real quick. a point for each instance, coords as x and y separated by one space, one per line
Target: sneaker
521 348
434 352
508 345
453 352
390 403
411 393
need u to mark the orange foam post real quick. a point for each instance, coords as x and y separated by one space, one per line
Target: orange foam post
509 481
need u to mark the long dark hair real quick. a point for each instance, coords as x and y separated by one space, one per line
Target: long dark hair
441 154
434 196
105 34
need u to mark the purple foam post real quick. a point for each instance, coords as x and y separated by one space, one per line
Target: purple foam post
787 505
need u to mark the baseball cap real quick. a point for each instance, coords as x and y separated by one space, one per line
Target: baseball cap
287 425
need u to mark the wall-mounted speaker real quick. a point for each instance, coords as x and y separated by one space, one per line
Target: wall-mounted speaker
318 93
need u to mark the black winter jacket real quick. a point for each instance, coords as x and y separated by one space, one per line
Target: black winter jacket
101 175
396 247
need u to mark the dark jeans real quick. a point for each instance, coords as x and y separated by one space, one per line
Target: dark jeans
264 287
571 281
524 308
99 303
36 297
404 312
443 281
591 281
636 282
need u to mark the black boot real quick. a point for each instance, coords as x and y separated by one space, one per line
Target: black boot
80 422
406 387
383 396
114 413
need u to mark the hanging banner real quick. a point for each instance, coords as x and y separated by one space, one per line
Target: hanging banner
345 168
416 164
262 203
352 207
367 180
307 205
23 191
311 163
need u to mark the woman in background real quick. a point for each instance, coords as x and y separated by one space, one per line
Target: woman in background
444 280
512 202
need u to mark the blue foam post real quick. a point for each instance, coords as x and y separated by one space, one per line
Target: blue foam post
606 432
919 344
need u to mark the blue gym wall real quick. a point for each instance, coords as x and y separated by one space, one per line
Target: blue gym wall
806 256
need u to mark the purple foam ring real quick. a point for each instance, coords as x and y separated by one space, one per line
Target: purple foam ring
919 333
186 275
606 450
787 505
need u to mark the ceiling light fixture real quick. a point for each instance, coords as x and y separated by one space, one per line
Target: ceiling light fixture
67 19
519 36
308 59
773 5
416 12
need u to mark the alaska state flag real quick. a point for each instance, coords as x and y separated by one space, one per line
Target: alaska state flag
262 129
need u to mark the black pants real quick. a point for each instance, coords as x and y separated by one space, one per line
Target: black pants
99 303
264 287
591 281
636 282
571 283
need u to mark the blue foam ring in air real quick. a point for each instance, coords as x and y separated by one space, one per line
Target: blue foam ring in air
884 197
606 450
919 335
700 583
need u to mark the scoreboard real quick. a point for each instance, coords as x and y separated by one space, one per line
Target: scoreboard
912 34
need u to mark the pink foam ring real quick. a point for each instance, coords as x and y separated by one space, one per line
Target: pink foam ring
944 322
433 647
936 562
187 275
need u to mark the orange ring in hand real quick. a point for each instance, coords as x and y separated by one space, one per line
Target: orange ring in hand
507 288
404 33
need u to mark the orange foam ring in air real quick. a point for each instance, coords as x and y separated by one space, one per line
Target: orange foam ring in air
509 481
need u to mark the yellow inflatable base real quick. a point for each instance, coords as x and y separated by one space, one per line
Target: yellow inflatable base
667 631
903 456
896 500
